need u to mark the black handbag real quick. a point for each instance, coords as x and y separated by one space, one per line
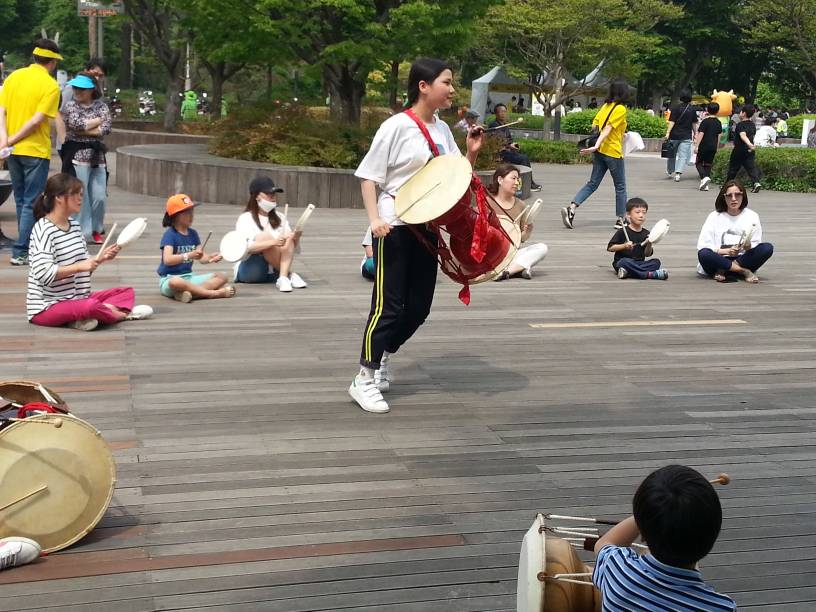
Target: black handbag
589 141
668 150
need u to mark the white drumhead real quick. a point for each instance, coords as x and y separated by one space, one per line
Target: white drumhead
531 212
132 231
434 190
529 589
745 243
234 246
660 229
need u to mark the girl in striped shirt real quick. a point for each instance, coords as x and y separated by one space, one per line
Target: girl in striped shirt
59 277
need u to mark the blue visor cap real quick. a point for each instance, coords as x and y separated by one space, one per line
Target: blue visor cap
82 82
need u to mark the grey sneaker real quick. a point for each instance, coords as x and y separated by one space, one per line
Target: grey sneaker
84 324
661 274
22 260
568 216
527 274
622 273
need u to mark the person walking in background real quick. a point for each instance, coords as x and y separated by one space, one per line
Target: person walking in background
28 100
743 155
680 131
706 142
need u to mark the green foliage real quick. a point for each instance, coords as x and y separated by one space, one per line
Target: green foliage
648 126
795 125
783 169
531 122
553 152
289 135
770 96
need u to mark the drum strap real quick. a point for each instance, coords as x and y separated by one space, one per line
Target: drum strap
35 407
478 245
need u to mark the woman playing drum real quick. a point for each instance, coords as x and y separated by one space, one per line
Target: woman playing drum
405 270
503 187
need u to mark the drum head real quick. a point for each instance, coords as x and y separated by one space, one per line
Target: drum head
531 212
660 229
132 231
26 391
234 246
72 467
529 589
514 232
434 190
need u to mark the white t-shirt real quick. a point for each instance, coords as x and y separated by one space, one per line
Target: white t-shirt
722 230
765 136
246 226
368 239
398 151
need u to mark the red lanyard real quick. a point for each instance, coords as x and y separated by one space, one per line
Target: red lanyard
424 129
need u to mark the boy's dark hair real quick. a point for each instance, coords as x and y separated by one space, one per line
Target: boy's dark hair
636 203
685 96
45 43
720 204
96 62
500 104
678 513
713 108
424 69
749 110
618 92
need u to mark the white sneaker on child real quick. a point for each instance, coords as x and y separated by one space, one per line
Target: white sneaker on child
297 281
283 284
142 311
16 551
364 391
383 376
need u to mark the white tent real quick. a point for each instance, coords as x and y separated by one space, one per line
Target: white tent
496 86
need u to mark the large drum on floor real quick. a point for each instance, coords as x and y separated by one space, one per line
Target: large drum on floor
57 474
450 198
551 576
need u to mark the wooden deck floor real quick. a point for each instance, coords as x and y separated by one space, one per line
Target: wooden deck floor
247 480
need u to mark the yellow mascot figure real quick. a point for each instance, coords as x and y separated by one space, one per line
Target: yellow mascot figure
726 100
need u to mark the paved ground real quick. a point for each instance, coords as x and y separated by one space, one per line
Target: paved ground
248 480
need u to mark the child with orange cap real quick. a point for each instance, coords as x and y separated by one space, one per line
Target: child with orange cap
180 247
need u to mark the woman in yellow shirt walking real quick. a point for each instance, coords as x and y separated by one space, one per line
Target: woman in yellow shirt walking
607 154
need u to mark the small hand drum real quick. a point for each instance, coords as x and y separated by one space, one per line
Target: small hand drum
132 232
745 240
56 479
234 247
529 214
434 190
660 229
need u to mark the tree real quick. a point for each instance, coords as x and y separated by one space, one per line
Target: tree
159 21
547 41
347 39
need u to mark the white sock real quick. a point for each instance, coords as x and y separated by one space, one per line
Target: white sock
385 357
366 373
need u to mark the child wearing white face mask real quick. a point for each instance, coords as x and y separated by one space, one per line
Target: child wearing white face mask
273 244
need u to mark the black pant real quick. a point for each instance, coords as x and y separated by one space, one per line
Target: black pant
743 159
404 282
705 159
511 156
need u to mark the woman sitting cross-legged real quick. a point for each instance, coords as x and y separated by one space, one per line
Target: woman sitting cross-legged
719 249
59 276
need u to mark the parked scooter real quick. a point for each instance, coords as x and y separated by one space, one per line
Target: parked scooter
115 105
147 103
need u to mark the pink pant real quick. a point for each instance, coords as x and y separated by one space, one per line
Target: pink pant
91 307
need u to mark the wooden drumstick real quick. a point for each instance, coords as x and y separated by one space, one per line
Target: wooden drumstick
286 210
721 479
105 243
500 127
24 497
206 240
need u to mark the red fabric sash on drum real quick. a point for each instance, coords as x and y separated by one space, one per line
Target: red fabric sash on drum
478 245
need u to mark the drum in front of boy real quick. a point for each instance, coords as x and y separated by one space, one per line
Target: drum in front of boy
56 479
27 392
543 557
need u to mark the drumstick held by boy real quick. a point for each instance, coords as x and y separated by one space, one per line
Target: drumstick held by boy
180 247
677 513
631 246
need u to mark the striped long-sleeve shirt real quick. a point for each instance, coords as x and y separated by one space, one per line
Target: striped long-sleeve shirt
52 248
632 583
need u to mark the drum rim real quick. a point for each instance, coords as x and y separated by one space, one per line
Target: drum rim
131 235
229 241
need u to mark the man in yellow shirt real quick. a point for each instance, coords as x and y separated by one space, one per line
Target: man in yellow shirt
28 101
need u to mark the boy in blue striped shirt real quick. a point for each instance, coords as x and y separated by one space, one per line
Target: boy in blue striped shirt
678 513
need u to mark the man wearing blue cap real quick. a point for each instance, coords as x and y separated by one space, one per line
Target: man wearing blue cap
87 121
28 100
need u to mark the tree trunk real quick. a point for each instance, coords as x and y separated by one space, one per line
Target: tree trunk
557 124
172 108
124 80
218 79
346 92
393 85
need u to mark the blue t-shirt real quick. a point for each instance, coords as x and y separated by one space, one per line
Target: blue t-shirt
628 581
181 244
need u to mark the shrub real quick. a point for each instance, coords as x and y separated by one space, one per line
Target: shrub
648 126
289 135
795 125
783 169
553 152
531 122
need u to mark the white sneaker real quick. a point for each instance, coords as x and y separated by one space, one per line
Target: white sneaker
297 281
367 395
383 376
284 284
143 311
704 183
84 324
677 177
18 551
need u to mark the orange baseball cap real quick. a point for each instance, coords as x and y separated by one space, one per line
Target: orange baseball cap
178 203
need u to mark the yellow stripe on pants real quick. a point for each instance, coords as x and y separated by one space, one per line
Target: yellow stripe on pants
378 304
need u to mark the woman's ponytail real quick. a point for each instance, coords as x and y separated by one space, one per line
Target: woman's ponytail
58 185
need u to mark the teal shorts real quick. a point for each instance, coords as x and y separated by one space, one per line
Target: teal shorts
195 279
